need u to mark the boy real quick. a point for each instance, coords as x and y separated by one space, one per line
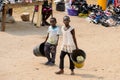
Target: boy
51 42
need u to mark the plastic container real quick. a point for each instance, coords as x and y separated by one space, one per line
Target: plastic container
74 56
72 12
103 4
39 50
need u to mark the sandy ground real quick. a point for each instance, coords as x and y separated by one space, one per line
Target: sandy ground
101 45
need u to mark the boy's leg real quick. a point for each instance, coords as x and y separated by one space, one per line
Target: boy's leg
53 53
47 52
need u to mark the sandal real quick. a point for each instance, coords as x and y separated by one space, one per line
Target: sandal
60 72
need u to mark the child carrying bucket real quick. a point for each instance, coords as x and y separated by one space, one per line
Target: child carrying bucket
51 42
68 45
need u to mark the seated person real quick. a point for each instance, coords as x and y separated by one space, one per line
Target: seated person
46 12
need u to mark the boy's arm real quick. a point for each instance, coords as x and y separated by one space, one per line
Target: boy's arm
58 34
47 37
57 40
74 38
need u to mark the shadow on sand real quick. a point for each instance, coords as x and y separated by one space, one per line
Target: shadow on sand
21 28
88 76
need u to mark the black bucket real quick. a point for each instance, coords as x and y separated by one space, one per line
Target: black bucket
39 50
60 6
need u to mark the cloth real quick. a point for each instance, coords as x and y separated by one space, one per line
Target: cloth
53 34
68 44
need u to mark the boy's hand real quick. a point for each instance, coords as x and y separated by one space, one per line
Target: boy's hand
44 41
77 48
56 44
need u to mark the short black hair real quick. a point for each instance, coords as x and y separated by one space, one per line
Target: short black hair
66 17
53 19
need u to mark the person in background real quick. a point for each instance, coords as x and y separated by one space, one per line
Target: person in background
46 12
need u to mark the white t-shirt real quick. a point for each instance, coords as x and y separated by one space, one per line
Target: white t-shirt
53 34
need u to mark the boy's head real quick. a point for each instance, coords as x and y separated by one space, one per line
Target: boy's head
53 21
66 20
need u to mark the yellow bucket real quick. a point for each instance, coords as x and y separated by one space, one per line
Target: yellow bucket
103 4
78 58
78 65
